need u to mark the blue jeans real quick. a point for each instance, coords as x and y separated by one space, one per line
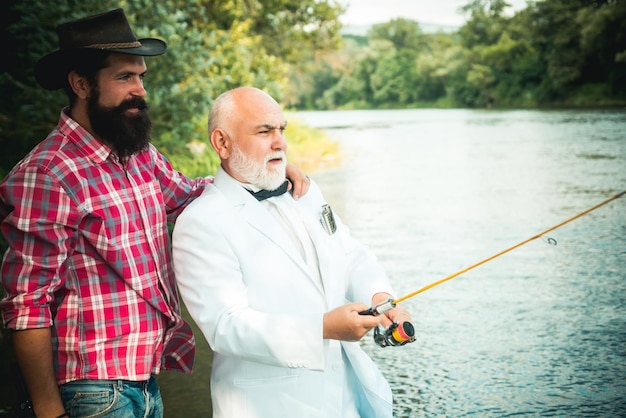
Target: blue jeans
112 399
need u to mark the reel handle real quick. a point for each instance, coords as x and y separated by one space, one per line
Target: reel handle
396 333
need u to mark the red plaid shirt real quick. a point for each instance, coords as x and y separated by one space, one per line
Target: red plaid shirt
89 255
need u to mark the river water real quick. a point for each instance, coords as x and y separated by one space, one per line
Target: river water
538 331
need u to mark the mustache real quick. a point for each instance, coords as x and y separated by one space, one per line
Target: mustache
134 103
275 155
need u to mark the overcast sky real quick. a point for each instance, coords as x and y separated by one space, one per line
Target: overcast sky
442 12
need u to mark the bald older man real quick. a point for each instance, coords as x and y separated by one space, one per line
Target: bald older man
276 286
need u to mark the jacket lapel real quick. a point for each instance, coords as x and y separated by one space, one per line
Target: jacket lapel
259 218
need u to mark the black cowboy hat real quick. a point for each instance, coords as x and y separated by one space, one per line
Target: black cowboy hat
106 32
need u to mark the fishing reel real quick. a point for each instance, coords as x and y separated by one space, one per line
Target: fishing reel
395 334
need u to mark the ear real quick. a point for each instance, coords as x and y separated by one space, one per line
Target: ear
79 84
221 143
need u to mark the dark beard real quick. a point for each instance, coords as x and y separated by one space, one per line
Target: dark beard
126 133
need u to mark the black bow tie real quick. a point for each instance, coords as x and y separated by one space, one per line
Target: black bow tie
265 194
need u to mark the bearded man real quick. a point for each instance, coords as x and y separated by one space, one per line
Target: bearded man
268 284
90 291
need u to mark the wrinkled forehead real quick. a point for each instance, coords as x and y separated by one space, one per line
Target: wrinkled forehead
260 111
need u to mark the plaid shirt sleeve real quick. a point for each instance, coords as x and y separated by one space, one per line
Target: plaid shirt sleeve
40 229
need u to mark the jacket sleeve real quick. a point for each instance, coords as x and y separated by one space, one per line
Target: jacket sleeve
207 249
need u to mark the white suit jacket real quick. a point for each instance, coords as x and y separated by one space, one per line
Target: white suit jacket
260 308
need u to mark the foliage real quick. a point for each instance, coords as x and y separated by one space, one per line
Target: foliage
568 52
212 46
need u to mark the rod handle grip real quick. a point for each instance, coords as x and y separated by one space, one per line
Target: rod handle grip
379 309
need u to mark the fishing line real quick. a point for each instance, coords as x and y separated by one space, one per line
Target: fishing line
403 333
539 235
390 336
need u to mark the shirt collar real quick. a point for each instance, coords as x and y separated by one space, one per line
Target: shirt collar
249 186
93 148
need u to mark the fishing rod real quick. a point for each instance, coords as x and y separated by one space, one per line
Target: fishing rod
400 334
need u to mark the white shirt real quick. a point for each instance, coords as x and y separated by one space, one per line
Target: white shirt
282 208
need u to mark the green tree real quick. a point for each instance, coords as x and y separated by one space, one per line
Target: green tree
581 43
316 83
603 43
394 80
291 29
485 24
515 67
356 86
402 33
213 46
431 68
27 112
556 36
337 79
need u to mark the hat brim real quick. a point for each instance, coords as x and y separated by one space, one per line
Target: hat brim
51 70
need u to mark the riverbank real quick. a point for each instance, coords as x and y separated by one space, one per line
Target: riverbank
310 148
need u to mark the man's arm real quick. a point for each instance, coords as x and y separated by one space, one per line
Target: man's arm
345 324
33 349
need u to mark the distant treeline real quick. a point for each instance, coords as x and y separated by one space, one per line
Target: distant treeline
553 52
570 52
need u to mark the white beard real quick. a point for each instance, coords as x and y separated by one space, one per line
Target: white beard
259 175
